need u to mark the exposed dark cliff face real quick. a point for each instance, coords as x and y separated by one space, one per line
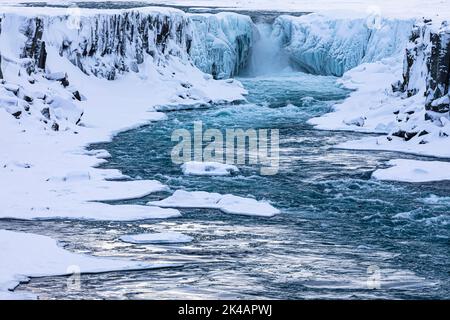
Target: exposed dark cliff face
439 71
1 73
108 45
427 67
34 47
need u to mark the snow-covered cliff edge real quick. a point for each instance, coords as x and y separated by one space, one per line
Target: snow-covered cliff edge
221 43
427 67
331 46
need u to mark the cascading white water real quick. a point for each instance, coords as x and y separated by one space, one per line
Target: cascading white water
267 55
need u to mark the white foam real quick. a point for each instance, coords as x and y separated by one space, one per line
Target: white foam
156 238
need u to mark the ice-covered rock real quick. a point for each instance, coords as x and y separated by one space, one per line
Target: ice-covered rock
427 66
221 43
27 255
156 238
331 46
197 168
109 44
227 203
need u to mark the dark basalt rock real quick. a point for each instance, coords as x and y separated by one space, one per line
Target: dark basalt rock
46 112
404 134
55 126
1 73
438 70
429 46
42 56
17 114
79 120
59 76
65 82
34 47
77 95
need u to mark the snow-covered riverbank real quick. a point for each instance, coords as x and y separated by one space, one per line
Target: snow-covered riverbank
405 98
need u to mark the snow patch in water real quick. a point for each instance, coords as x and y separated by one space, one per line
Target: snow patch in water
414 171
27 255
227 203
198 168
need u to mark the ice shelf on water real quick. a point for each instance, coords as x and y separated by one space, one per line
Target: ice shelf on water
408 170
227 203
27 255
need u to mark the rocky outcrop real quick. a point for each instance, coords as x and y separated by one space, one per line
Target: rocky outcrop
1 73
107 45
34 47
437 92
427 67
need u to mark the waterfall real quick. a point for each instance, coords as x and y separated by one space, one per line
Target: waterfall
267 55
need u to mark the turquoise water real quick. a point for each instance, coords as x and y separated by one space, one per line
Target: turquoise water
336 221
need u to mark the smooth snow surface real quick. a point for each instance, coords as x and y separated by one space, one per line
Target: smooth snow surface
221 43
156 238
227 203
414 171
197 168
25 255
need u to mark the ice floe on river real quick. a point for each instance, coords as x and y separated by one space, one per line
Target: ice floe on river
198 168
414 171
26 255
226 203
